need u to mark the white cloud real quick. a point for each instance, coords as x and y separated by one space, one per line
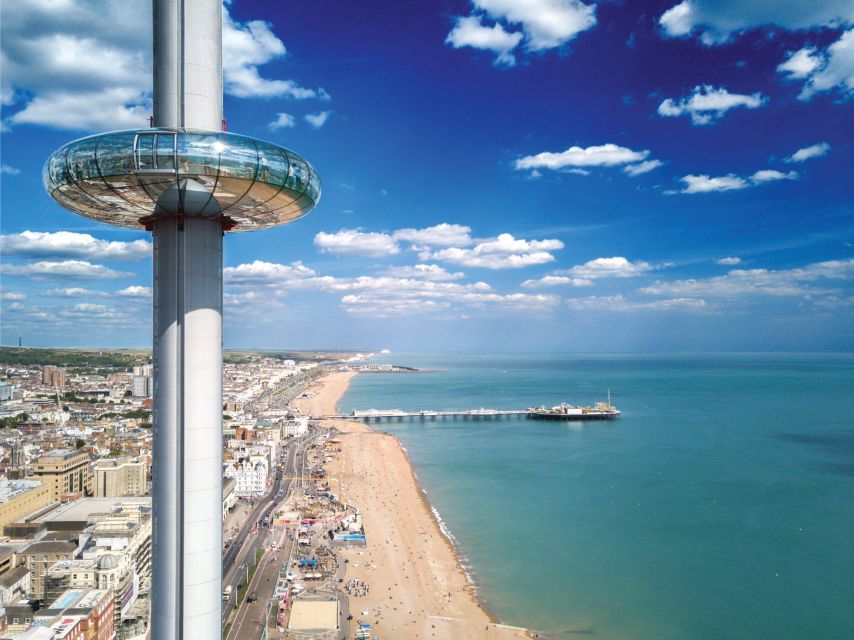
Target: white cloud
800 64
260 272
554 281
87 64
740 282
715 21
707 184
470 32
770 175
96 313
282 121
67 244
5 169
731 182
729 261
424 272
75 292
606 155
642 167
544 24
319 119
707 104
502 252
442 235
616 267
246 46
63 269
813 151
356 243
12 296
621 304
828 70
134 291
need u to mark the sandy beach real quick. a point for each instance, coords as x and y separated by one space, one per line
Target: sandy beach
417 588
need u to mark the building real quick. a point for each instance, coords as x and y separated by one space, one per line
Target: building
143 386
66 472
53 376
14 585
229 495
87 614
121 477
250 476
38 557
19 498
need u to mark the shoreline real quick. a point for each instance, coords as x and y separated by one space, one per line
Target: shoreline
426 554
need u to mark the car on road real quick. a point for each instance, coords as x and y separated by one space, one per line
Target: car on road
252 598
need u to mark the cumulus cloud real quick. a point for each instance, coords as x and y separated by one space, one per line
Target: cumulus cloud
12 296
399 291
615 267
800 64
441 235
63 269
605 155
770 175
469 31
134 291
87 64
813 151
282 121
542 24
829 70
261 272
642 167
715 22
729 261
707 104
731 182
445 243
424 272
319 119
5 169
246 46
67 244
502 252
75 292
356 243
554 281
740 282
621 304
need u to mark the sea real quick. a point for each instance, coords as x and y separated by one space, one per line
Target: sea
720 506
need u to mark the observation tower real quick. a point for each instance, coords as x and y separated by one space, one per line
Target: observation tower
188 182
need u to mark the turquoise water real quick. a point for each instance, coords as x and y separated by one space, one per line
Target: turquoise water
720 506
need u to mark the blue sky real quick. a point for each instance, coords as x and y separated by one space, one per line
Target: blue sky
497 174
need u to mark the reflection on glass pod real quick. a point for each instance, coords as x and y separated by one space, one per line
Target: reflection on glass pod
123 178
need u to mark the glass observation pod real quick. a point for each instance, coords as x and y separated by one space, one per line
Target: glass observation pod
119 177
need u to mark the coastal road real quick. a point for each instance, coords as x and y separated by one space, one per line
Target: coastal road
240 556
245 545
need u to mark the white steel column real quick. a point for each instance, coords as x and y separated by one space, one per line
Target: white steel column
187 451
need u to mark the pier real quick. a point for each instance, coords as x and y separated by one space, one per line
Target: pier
561 412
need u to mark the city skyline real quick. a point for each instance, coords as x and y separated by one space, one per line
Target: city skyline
619 178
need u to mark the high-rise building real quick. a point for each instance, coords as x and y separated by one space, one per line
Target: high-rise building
53 376
65 472
187 181
143 386
120 477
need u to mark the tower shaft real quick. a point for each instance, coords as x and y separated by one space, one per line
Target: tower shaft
187 450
